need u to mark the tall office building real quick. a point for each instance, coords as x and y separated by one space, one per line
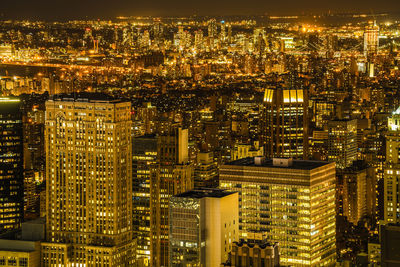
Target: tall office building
212 33
89 185
204 223
391 174
144 166
285 123
342 142
11 165
175 176
287 201
371 39
354 198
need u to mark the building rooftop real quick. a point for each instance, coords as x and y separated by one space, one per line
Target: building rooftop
18 245
205 192
86 97
260 243
295 164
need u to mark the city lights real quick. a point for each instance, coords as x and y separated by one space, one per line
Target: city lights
235 134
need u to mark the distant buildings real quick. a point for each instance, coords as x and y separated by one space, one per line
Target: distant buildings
204 223
11 165
89 186
287 201
204 91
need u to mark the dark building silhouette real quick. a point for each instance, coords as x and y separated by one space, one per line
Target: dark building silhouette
11 165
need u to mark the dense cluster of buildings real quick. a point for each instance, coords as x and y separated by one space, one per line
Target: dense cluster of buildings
199 142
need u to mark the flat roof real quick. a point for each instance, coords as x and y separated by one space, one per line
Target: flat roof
205 192
296 164
86 97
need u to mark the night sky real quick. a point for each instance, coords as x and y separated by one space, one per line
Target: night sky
75 9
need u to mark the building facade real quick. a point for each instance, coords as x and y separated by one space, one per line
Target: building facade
371 39
354 179
287 201
206 171
391 174
144 166
204 223
342 142
175 176
89 186
285 123
259 254
11 165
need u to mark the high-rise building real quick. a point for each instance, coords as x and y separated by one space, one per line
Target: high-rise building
204 223
285 123
212 33
198 40
354 198
212 28
223 31
34 141
287 201
175 176
144 166
11 165
371 39
391 174
88 182
342 142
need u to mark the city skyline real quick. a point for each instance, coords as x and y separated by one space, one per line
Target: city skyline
175 134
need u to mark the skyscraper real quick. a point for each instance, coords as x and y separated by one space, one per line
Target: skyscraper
371 39
212 28
212 33
144 166
287 201
354 180
285 123
204 223
175 176
391 174
11 165
89 186
342 142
